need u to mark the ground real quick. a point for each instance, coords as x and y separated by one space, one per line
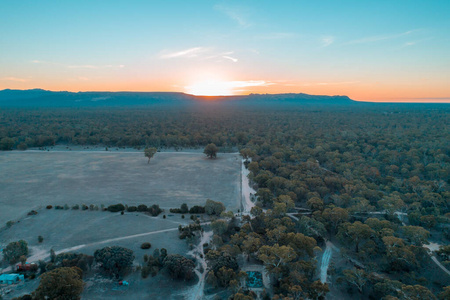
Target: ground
33 180
29 180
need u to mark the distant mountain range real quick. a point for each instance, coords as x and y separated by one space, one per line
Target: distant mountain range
44 98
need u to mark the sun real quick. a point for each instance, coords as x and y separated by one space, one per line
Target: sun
210 88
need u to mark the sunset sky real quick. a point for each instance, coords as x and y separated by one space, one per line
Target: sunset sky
367 50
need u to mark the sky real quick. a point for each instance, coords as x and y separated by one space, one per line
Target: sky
368 50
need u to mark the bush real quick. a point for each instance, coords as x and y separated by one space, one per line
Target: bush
15 250
132 208
116 260
146 245
32 213
58 207
49 207
175 210
84 207
40 239
154 210
142 208
184 208
76 207
116 207
197 210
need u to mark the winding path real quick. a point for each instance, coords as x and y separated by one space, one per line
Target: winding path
42 255
202 268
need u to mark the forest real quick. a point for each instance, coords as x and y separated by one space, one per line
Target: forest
372 180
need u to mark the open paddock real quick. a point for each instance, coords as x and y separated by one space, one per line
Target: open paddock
34 179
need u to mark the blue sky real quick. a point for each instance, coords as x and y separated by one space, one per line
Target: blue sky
368 50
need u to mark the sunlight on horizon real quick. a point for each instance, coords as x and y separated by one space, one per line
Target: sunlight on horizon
210 88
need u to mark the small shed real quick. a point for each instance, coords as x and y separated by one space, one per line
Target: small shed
11 278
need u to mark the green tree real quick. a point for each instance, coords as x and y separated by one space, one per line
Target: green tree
214 207
6 143
275 257
149 153
211 150
355 233
60 284
356 277
416 235
115 260
14 250
179 267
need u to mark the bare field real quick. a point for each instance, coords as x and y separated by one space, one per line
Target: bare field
34 179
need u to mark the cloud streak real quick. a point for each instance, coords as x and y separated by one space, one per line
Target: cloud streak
235 14
327 41
14 79
191 52
378 38
92 67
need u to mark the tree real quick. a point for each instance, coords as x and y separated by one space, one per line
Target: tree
115 260
14 251
60 284
355 233
274 257
211 150
6 143
214 207
416 292
179 267
184 208
149 153
445 294
219 227
416 235
356 277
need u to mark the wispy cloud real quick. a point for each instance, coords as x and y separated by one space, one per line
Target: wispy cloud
234 13
377 38
327 41
201 53
14 79
230 58
191 52
93 67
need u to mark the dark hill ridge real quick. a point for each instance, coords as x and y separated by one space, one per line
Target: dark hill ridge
44 98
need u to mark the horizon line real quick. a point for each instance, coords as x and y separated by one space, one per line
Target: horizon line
435 100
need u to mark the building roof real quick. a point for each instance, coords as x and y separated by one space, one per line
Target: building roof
9 276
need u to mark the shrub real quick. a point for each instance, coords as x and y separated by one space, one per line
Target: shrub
142 207
15 250
84 207
164 216
49 207
76 207
40 239
146 245
184 208
131 208
32 213
175 210
116 208
154 210
197 210
116 260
